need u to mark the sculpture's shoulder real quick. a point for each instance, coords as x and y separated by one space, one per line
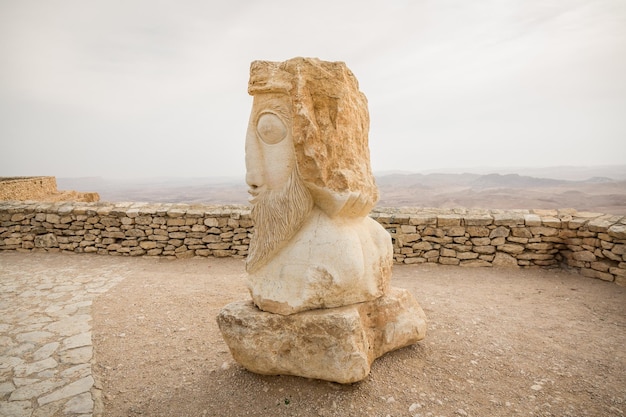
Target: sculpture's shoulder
328 261
340 246
320 234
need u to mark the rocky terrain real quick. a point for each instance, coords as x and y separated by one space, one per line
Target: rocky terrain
582 189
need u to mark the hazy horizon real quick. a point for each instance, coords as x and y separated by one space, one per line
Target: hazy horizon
615 172
576 189
145 89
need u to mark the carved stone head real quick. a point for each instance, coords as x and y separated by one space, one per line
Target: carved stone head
306 146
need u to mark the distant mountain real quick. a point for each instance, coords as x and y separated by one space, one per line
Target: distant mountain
570 173
514 180
480 181
601 193
426 180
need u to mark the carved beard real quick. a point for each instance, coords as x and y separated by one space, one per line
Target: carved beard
277 216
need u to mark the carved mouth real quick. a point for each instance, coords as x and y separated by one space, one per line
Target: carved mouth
254 196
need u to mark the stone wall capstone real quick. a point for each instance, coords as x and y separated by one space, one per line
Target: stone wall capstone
592 243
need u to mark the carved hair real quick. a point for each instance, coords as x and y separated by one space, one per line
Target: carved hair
330 122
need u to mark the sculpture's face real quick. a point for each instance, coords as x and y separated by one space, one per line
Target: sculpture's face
270 157
280 201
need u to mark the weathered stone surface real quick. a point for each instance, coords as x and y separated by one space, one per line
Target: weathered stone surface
504 260
87 230
34 367
27 392
70 390
532 220
46 241
79 340
45 351
508 219
16 409
585 256
34 336
618 231
511 248
70 326
591 273
80 404
337 344
311 186
77 355
335 262
500 231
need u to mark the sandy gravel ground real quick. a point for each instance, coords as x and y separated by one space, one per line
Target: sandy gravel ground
500 342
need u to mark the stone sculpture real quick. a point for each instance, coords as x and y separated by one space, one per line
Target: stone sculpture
318 266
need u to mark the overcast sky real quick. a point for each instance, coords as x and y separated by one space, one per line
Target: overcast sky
129 88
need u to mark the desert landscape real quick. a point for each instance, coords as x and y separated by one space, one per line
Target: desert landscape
599 189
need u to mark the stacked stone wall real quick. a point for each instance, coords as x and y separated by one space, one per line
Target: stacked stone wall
26 188
592 243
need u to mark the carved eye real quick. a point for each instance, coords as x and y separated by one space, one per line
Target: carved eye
270 128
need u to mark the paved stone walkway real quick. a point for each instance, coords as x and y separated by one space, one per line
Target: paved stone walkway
45 333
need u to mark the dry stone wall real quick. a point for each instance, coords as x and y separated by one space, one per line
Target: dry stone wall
26 188
40 189
592 243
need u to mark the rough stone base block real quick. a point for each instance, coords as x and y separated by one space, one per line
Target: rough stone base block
335 344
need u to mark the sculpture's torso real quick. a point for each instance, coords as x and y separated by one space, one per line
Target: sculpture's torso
329 262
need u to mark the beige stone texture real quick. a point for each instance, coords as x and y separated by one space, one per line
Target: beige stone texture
332 262
330 126
311 187
39 189
85 229
337 344
318 266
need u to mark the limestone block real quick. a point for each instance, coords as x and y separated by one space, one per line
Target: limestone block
504 260
406 229
599 225
592 273
486 249
532 220
422 219
475 263
511 248
521 232
449 261
46 241
478 220
337 344
550 221
466 255
500 231
456 231
585 256
618 271
544 231
477 231
448 220
481 241
618 231
619 249
425 246
508 219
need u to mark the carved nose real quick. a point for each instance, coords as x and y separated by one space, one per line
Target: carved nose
253 180
254 174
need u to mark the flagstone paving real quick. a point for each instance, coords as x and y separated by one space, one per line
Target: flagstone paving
46 350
